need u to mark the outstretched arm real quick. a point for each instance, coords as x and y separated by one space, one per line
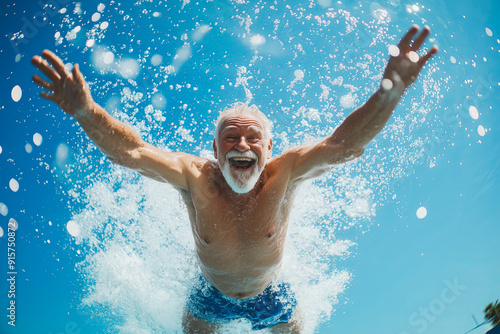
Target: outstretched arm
361 126
115 139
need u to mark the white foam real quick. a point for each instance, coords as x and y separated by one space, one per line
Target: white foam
129 68
200 32
347 101
257 40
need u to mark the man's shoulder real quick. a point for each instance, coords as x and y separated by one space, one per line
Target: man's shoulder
284 161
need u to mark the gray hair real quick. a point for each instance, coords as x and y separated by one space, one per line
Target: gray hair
241 109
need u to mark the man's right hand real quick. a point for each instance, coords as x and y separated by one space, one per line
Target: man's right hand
69 90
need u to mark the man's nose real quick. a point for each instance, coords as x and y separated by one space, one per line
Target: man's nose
242 145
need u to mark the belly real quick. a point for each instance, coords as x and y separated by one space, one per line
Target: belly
240 269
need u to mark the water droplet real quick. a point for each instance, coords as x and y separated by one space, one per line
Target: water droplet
108 57
3 209
96 17
37 139
13 185
13 225
16 93
413 56
481 130
421 212
394 50
73 228
387 84
473 112
299 74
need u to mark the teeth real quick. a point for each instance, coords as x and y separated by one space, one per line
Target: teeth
242 159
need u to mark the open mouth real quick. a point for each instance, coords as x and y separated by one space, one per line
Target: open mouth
241 162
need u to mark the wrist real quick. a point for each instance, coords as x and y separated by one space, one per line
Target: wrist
85 111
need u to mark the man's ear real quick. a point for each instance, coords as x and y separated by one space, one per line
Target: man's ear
215 149
270 149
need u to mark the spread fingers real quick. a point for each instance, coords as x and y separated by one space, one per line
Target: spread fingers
46 69
56 62
420 39
43 83
404 44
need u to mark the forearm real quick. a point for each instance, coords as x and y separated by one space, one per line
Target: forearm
115 139
363 124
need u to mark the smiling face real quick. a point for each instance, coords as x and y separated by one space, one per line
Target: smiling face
242 149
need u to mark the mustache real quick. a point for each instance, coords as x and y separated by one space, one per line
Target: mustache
238 154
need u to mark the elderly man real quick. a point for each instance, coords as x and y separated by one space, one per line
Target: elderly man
239 205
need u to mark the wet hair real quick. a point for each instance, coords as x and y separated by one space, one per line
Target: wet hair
242 109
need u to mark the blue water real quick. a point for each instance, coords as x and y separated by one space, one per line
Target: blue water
403 240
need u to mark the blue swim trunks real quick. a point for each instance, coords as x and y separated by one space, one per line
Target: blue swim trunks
274 305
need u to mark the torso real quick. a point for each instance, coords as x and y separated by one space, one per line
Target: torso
239 238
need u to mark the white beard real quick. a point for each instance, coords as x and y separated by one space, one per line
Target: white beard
243 181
